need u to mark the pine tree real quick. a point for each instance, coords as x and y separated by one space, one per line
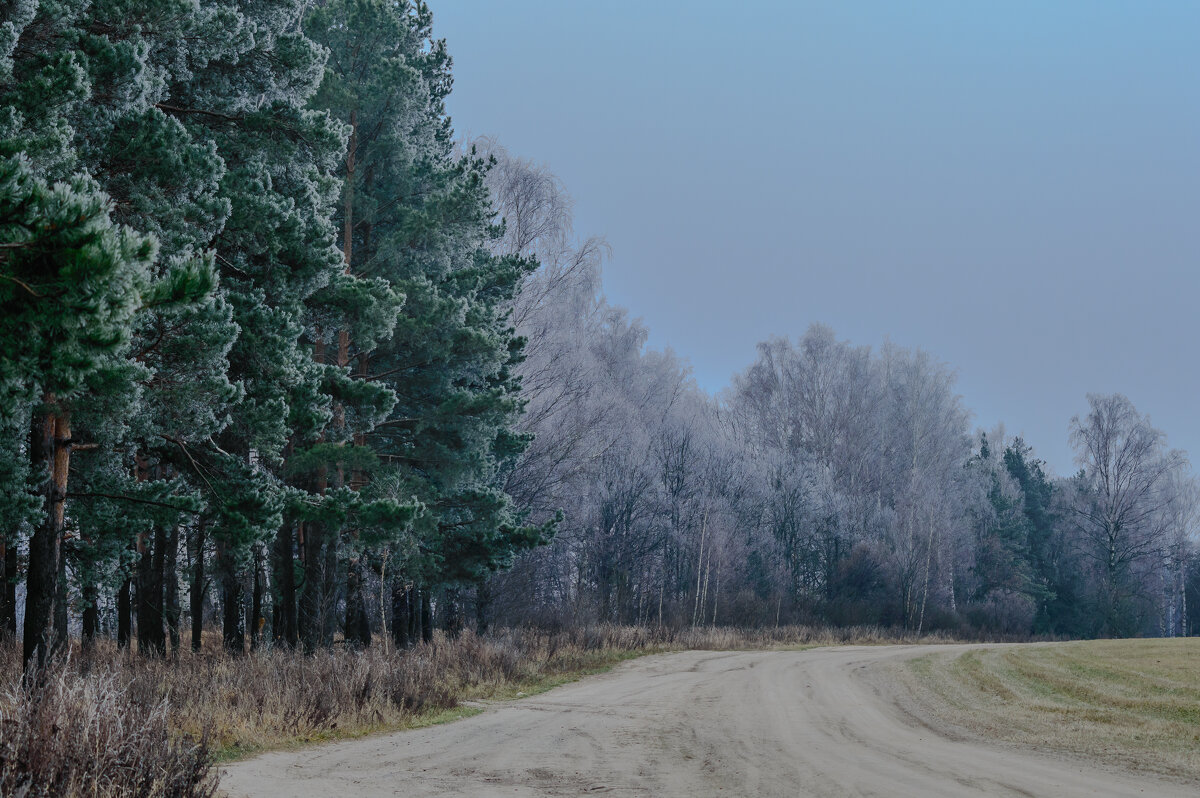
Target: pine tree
283 272
418 218
72 282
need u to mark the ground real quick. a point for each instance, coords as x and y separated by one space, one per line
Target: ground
835 721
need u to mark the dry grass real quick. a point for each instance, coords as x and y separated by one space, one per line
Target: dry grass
279 699
73 736
135 722
1130 702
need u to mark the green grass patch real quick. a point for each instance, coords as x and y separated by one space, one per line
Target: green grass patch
1136 702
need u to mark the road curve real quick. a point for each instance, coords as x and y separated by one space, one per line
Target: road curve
694 724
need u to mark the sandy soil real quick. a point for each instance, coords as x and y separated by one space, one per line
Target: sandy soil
824 722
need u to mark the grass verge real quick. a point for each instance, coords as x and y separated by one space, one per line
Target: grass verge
1135 703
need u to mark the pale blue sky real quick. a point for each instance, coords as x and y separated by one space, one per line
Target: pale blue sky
1012 186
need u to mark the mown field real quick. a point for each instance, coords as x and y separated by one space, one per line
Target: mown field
1132 703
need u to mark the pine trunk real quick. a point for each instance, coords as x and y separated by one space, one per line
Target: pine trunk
8 593
124 613
358 623
170 583
310 590
329 589
152 640
452 621
401 612
196 597
233 636
483 606
414 615
256 603
284 610
61 603
426 616
50 456
91 615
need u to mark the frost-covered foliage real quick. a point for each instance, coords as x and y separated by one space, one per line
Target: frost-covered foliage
275 357
830 482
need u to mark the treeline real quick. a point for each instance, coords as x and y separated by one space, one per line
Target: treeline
282 355
829 484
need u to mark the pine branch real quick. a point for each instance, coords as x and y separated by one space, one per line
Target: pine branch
24 285
215 114
134 499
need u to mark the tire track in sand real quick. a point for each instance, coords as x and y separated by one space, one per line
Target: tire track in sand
692 724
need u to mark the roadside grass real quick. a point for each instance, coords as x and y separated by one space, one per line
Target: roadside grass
1135 703
294 699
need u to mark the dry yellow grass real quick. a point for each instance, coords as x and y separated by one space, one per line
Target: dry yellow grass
1135 703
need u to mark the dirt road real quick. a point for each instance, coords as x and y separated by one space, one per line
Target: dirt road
808 723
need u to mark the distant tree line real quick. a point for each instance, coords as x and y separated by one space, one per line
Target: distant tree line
281 354
829 484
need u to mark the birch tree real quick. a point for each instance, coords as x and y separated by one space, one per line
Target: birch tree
1125 498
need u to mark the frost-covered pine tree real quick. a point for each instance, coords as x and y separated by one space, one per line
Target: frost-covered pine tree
72 282
419 218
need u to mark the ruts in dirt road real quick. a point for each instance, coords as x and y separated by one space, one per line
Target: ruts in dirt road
784 723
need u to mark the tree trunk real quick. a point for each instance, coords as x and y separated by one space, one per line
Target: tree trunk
483 606
254 619
170 582
61 602
452 623
426 616
152 640
198 586
50 457
383 628
358 624
351 151
310 589
925 589
319 553
8 593
699 566
285 630
7 608
401 613
91 615
233 636
329 588
717 592
144 577
158 563
124 613
1183 618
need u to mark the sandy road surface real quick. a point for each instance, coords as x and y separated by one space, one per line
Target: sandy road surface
695 724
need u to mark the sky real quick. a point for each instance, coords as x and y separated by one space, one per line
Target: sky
1011 186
